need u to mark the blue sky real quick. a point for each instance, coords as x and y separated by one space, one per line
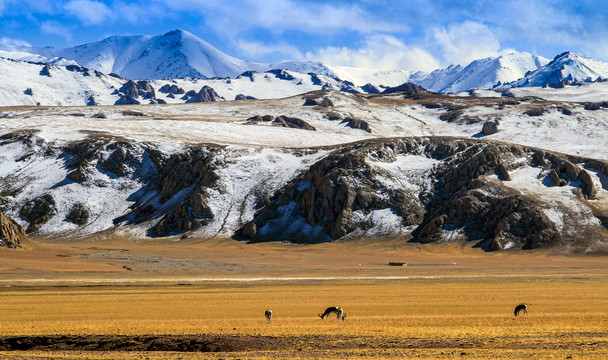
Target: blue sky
405 34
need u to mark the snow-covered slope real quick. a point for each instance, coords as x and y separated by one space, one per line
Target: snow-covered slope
26 83
566 66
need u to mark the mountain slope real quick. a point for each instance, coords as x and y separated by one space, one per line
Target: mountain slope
566 66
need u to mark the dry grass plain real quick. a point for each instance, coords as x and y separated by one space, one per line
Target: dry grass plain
119 299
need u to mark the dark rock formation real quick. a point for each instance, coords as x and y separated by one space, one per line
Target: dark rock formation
171 89
11 233
408 87
292 122
357 124
77 175
281 74
244 97
79 214
91 101
38 211
318 98
247 74
370 89
126 100
206 94
489 128
141 88
535 112
46 70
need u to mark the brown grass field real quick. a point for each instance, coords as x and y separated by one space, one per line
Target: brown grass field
120 299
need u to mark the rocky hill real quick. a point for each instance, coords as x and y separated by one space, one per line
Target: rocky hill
497 172
496 195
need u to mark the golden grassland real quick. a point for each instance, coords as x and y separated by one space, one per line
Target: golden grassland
428 309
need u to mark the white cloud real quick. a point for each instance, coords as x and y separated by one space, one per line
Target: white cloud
464 42
89 12
258 50
56 28
384 52
10 44
278 16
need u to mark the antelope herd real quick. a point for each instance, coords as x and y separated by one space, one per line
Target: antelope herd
341 316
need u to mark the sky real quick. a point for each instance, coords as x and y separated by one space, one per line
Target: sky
382 34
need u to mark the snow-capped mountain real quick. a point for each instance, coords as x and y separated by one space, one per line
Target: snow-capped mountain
175 54
566 66
482 73
179 54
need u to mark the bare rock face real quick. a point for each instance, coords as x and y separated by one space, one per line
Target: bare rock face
11 233
324 200
195 172
489 128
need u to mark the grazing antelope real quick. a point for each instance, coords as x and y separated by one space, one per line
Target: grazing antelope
521 307
340 315
268 314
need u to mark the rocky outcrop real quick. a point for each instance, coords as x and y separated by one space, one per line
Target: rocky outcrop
292 122
11 233
79 214
489 128
318 98
244 97
38 211
46 70
194 172
357 124
205 94
126 100
134 90
284 121
171 89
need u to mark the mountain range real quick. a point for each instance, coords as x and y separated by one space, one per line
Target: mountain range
179 54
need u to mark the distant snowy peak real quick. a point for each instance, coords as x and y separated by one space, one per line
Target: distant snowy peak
482 73
566 66
175 54
479 74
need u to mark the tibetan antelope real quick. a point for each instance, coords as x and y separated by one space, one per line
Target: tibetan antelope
340 315
268 314
519 308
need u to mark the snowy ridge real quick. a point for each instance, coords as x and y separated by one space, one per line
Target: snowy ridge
180 54
566 66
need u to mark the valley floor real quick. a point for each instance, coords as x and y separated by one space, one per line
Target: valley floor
119 299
